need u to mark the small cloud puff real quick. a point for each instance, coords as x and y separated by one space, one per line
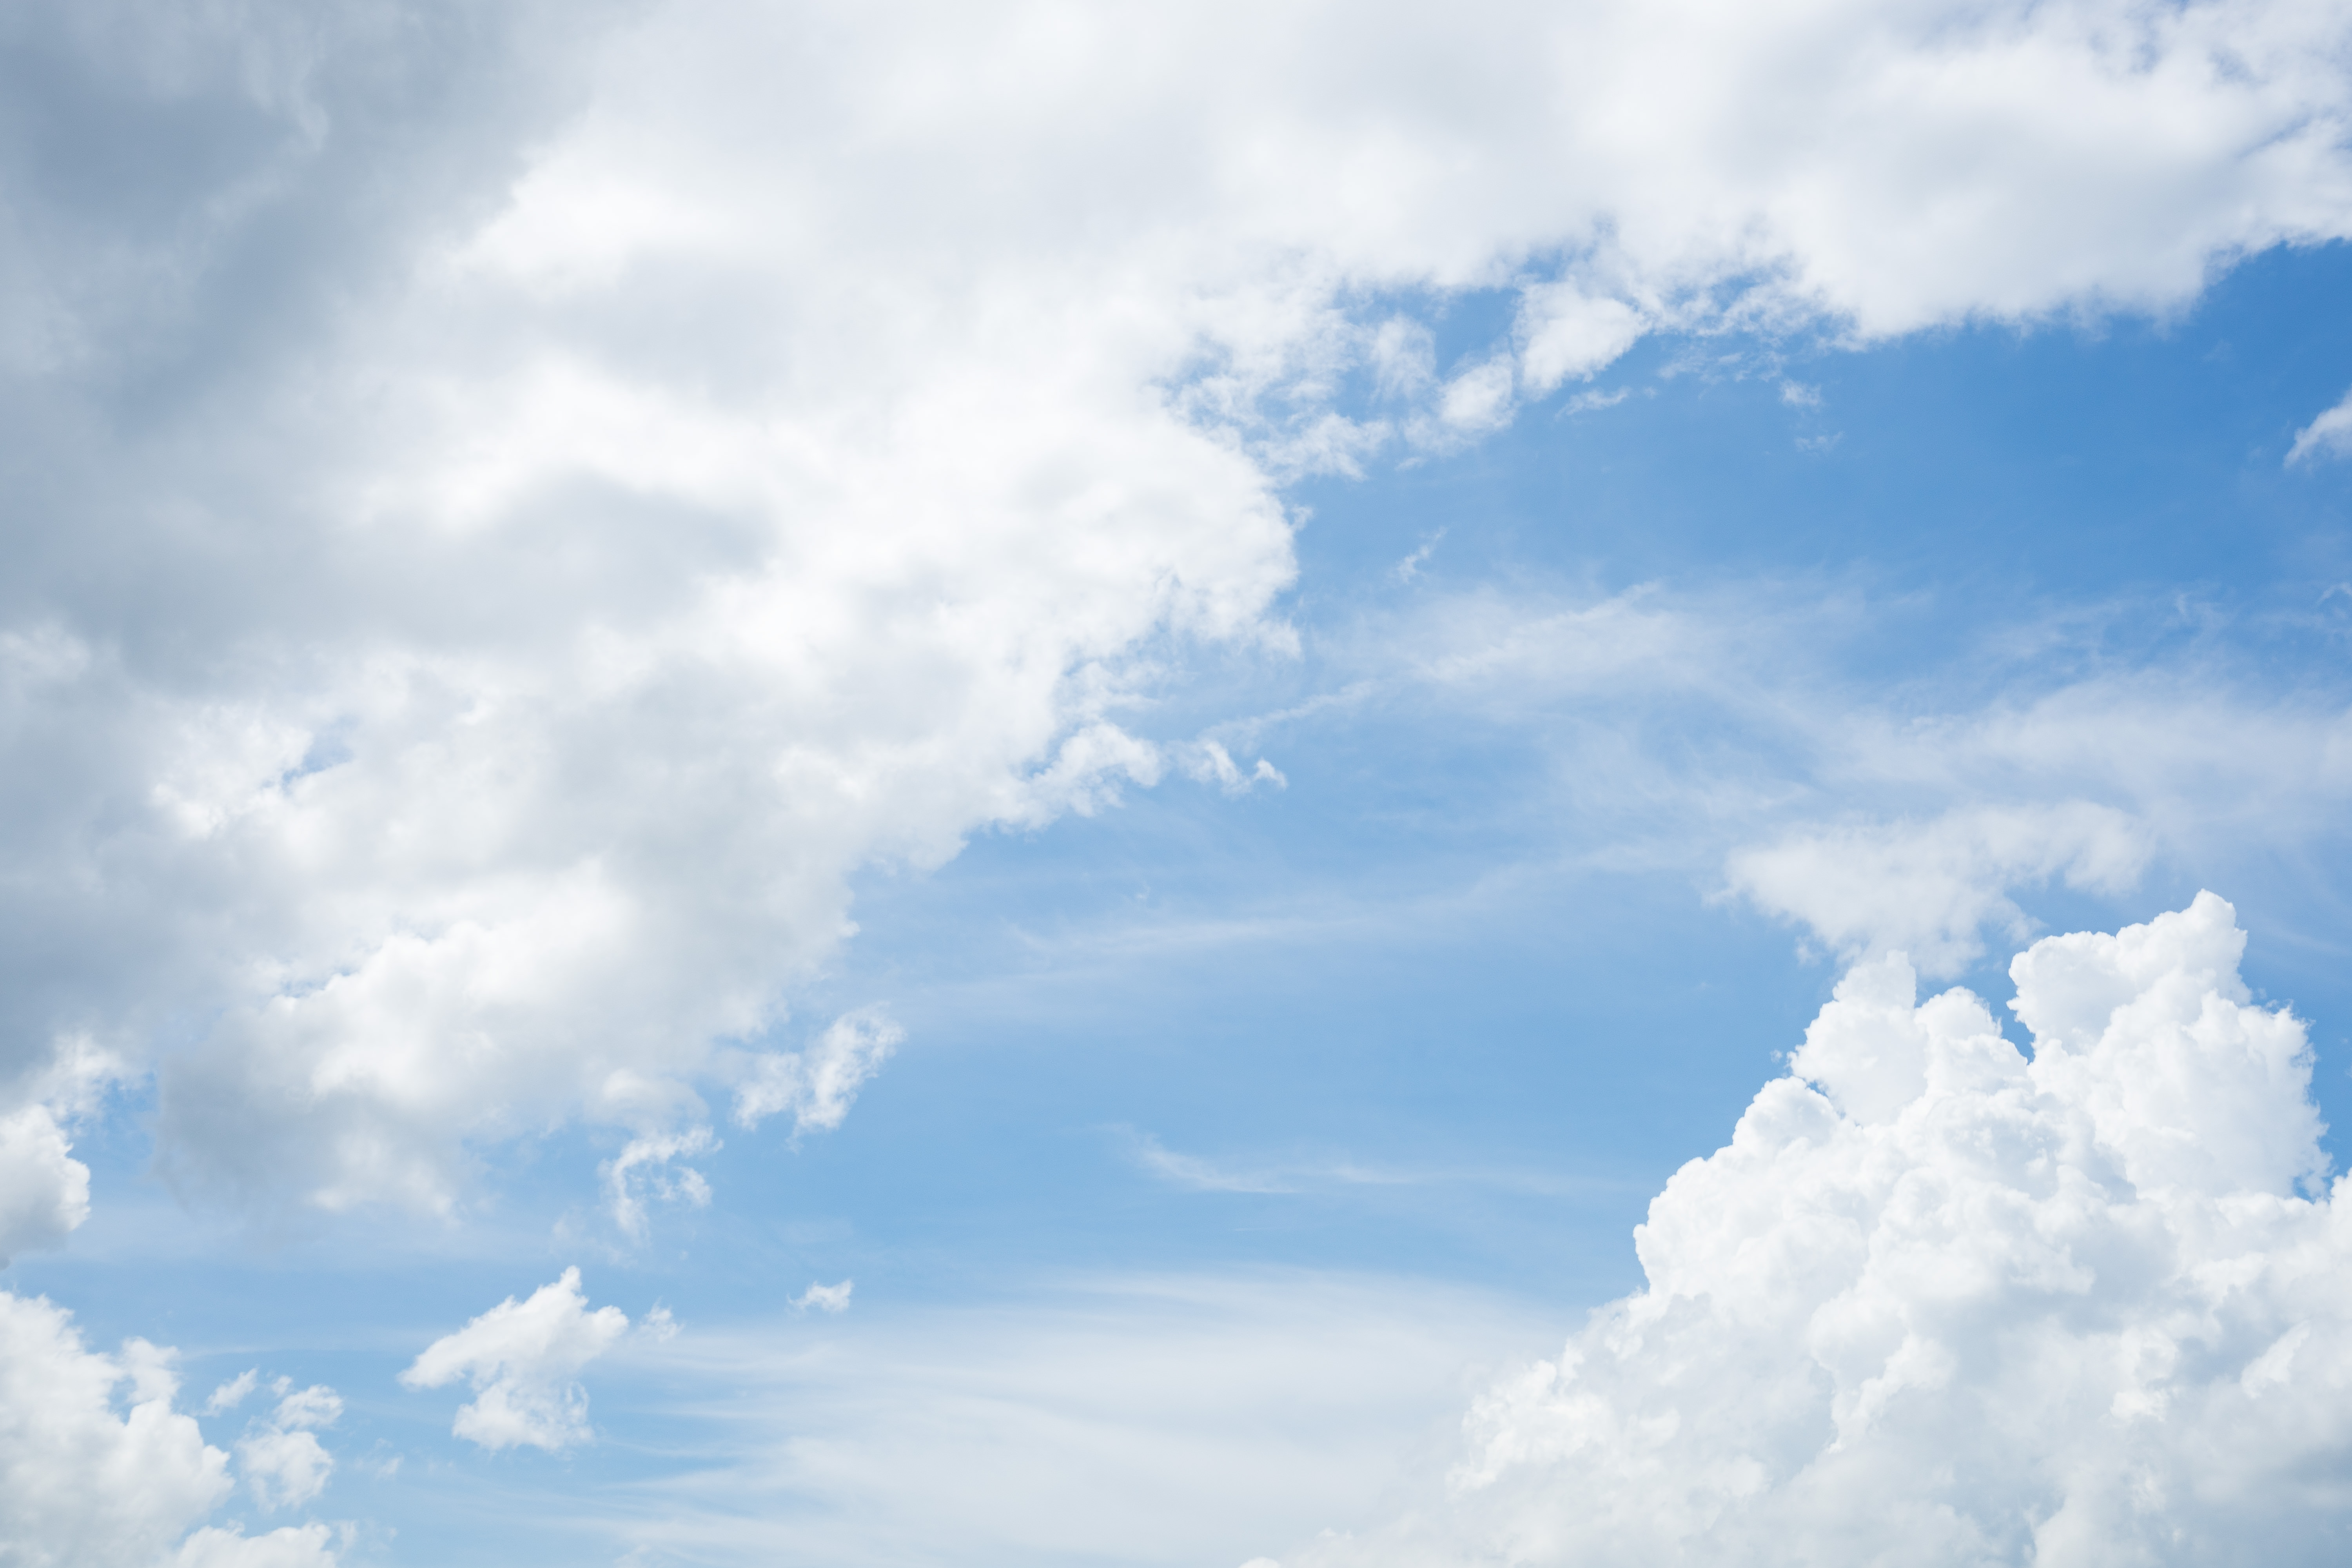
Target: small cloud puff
825 1298
1567 334
644 1169
818 1086
232 1394
1410 567
284 1462
1211 763
522 1359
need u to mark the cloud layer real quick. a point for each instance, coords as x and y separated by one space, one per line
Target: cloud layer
536 499
1941 1302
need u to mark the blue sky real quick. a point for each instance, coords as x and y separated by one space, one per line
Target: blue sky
1192 701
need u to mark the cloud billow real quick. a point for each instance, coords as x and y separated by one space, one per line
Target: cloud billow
1941 1302
95 1480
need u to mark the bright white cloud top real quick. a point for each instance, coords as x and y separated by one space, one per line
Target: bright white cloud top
82 1482
1941 1302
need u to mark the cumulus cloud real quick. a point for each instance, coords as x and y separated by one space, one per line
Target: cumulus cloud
1943 1301
523 1359
97 1468
536 502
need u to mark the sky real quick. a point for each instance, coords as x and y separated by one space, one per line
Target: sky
1275 786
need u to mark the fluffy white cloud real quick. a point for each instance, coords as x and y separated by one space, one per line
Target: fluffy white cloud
283 1460
1941 1302
523 1359
532 502
91 1480
44 1191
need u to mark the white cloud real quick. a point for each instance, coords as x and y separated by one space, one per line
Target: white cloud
1930 888
523 1359
825 1298
1942 1303
232 1392
1210 763
44 1192
1566 334
1403 356
643 1168
86 1484
819 1085
666 469
1477 400
284 1463
2330 436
